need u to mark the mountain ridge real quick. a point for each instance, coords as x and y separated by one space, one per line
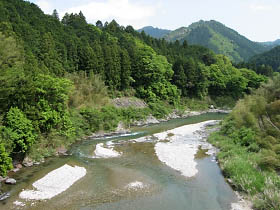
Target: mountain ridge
218 37
215 36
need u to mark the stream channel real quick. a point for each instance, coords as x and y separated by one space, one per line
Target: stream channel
155 168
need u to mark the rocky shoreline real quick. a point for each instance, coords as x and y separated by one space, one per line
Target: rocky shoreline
152 120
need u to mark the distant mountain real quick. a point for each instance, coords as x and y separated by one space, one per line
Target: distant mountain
154 32
219 38
271 58
271 44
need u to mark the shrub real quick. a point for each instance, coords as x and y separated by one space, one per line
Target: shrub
159 109
20 130
268 160
5 161
93 117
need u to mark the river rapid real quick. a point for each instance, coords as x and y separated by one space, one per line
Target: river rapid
159 167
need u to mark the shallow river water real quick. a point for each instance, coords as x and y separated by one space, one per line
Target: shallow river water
137 179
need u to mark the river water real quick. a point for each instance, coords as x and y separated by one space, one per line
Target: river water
137 179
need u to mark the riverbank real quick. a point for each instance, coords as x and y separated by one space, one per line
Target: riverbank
257 188
121 130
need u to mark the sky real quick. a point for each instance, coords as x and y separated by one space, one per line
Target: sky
258 20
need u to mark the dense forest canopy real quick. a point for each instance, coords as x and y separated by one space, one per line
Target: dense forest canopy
56 76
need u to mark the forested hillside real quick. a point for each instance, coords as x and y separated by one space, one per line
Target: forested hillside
218 38
265 63
271 44
154 32
270 58
56 77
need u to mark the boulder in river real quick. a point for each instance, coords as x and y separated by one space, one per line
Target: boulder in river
2 179
27 162
15 170
10 181
61 151
4 196
19 166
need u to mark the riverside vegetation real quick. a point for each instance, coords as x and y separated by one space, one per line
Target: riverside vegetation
57 79
250 147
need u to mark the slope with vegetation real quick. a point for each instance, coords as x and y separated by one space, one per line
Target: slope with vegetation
57 78
271 44
249 143
270 58
219 38
265 63
154 32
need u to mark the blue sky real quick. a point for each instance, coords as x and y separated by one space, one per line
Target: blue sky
258 20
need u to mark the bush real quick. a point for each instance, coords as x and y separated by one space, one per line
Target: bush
268 160
110 116
243 136
5 161
131 114
93 117
20 130
107 118
159 109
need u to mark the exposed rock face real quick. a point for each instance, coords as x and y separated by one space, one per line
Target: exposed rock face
129 102
149 120
121 128
10 181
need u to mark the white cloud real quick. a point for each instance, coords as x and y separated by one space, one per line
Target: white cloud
45 5
260 8
123 11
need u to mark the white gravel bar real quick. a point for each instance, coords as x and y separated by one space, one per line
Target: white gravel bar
179 152
54 183
102 152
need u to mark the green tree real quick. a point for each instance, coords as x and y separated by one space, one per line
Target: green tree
55 14
125 70
20 129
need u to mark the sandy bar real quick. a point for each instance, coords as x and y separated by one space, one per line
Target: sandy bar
102 152
179 152
54 183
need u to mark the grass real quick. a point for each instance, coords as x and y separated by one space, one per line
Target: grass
241 166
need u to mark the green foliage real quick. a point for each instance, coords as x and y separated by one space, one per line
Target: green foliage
267 59
131 114
56 78
10 53
153 82
159 110
5 161
106 118
20 128
89 90
249 146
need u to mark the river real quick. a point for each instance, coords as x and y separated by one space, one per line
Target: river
137 179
